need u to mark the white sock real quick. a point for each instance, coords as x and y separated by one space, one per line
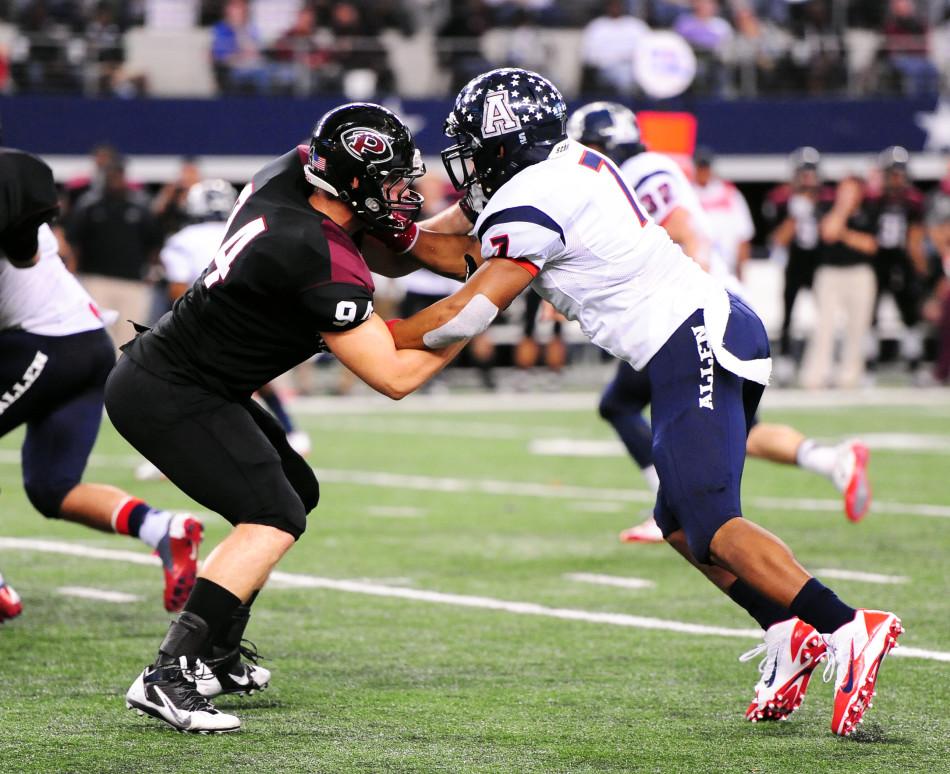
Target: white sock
652 479
817 457
154 527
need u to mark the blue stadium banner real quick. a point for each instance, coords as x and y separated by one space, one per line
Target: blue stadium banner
259 126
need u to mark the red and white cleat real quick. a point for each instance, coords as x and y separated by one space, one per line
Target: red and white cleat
792 650
178 551
647 532
857 650
10 604
850 476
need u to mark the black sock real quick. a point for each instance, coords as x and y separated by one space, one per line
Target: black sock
819 606
229 636
761 608
213 603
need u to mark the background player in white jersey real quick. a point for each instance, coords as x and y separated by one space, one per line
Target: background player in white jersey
54 359
727 211
184 256
669 197
561 218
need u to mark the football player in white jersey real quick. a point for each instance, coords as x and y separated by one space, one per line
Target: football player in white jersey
561 218
54 359
671 200
184 256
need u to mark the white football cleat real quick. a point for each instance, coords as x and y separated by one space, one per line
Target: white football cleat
231 675
856 651
146 471
168 692
792 650
299 441
850 476
647 532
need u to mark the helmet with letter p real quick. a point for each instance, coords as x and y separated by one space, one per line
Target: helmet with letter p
503 121
364 155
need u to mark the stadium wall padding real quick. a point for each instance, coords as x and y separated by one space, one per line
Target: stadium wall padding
265 126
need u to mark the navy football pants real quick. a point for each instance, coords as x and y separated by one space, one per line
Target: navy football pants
54 385
701 416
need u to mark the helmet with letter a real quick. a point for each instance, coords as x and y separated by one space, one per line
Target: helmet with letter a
209 200
364 155
503 121
607 126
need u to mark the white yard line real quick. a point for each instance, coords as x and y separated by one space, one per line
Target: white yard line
864 577
100 595
528 489
376 589
514 402
552 491
395 511
610 580
595 447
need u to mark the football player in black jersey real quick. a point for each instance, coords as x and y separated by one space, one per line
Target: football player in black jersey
287 282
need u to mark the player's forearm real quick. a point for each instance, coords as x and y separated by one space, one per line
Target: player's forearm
916 250
742 257
445 253
416 367
782 236
409 333
450 221
858 240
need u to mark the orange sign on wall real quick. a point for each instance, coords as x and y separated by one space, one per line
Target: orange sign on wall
673 133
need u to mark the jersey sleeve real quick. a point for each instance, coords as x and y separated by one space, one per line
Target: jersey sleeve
177 262
523 234
28 199
333 307
659 194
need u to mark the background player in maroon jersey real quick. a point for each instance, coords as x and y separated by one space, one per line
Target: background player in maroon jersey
287 282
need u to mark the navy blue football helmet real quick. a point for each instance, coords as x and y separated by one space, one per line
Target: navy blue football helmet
608 125
503 121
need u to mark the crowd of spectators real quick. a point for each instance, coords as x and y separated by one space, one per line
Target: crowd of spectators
742 47
853 244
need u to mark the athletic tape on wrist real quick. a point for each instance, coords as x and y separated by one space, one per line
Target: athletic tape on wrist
474 318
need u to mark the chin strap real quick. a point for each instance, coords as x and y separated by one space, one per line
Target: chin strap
318 182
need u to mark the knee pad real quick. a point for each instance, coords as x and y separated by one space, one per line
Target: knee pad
304 482
309 493
47 497
609 405
290 518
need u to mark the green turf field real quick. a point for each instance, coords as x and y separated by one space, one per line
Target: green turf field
371 683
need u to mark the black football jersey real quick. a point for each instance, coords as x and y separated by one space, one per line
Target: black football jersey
27 200
283 274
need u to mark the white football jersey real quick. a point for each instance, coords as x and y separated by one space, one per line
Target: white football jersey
662 186
729 215
600 260
45 299
188 252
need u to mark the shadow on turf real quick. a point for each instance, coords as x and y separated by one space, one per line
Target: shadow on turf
869 733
